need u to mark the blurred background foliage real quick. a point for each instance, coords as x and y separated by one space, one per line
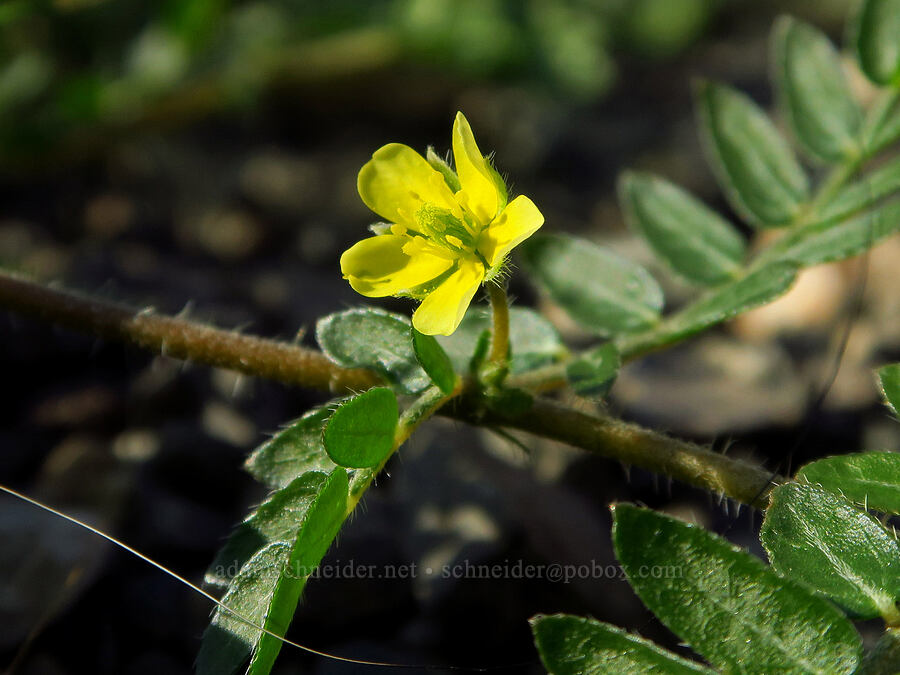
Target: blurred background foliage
71 68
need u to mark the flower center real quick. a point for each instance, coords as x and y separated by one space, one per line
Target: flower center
442 227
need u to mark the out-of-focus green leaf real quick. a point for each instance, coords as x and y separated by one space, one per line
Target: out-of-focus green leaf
726 604
693 239
814 95
889 377
830 240
753 163
533 340
875 30
434 360
884 125
821 540
717 305
884 658
372 338
868 478
293 451
864 192
570 645
603 292
268 586
360 433
593 373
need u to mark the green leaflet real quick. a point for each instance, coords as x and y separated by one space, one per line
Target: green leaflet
884 126
865 192
373 338
268 586
593 373
691 238
875 30
813 93
603 292
830 240
826 543
570 645
360 433
868 478
719 304
293 451
752 162
533 340
889 379
276 519
434 361
726 604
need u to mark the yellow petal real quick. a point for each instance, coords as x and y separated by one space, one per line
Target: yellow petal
443 309
398 180
518 221
479 191
377 266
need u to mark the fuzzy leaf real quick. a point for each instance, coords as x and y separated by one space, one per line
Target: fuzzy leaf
691 238
373 338
293 451
434 361
813 92
267 588
868 478
603 292
276 519
593 373
821 540
752 162
884 125
862 193
360 433
570 645
875 31
726 604
889 378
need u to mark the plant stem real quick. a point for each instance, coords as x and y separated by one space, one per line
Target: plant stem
499 351
181 338
292 364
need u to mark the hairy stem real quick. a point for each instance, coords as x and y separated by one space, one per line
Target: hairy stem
499 325
292 364
181 338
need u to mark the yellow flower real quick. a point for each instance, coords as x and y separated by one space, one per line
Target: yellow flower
446 233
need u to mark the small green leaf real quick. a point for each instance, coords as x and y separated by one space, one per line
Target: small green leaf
868 478
276 519
821 540
830 240
726 604
862 193
884 657
533 340
875 31
372 338
719 304
883 126
570 645
691 238
593 373
752 162
603 292
268 586
434 361
813 92
293 451
360 433
889 377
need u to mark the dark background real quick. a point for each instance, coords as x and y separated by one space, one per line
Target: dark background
202 158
